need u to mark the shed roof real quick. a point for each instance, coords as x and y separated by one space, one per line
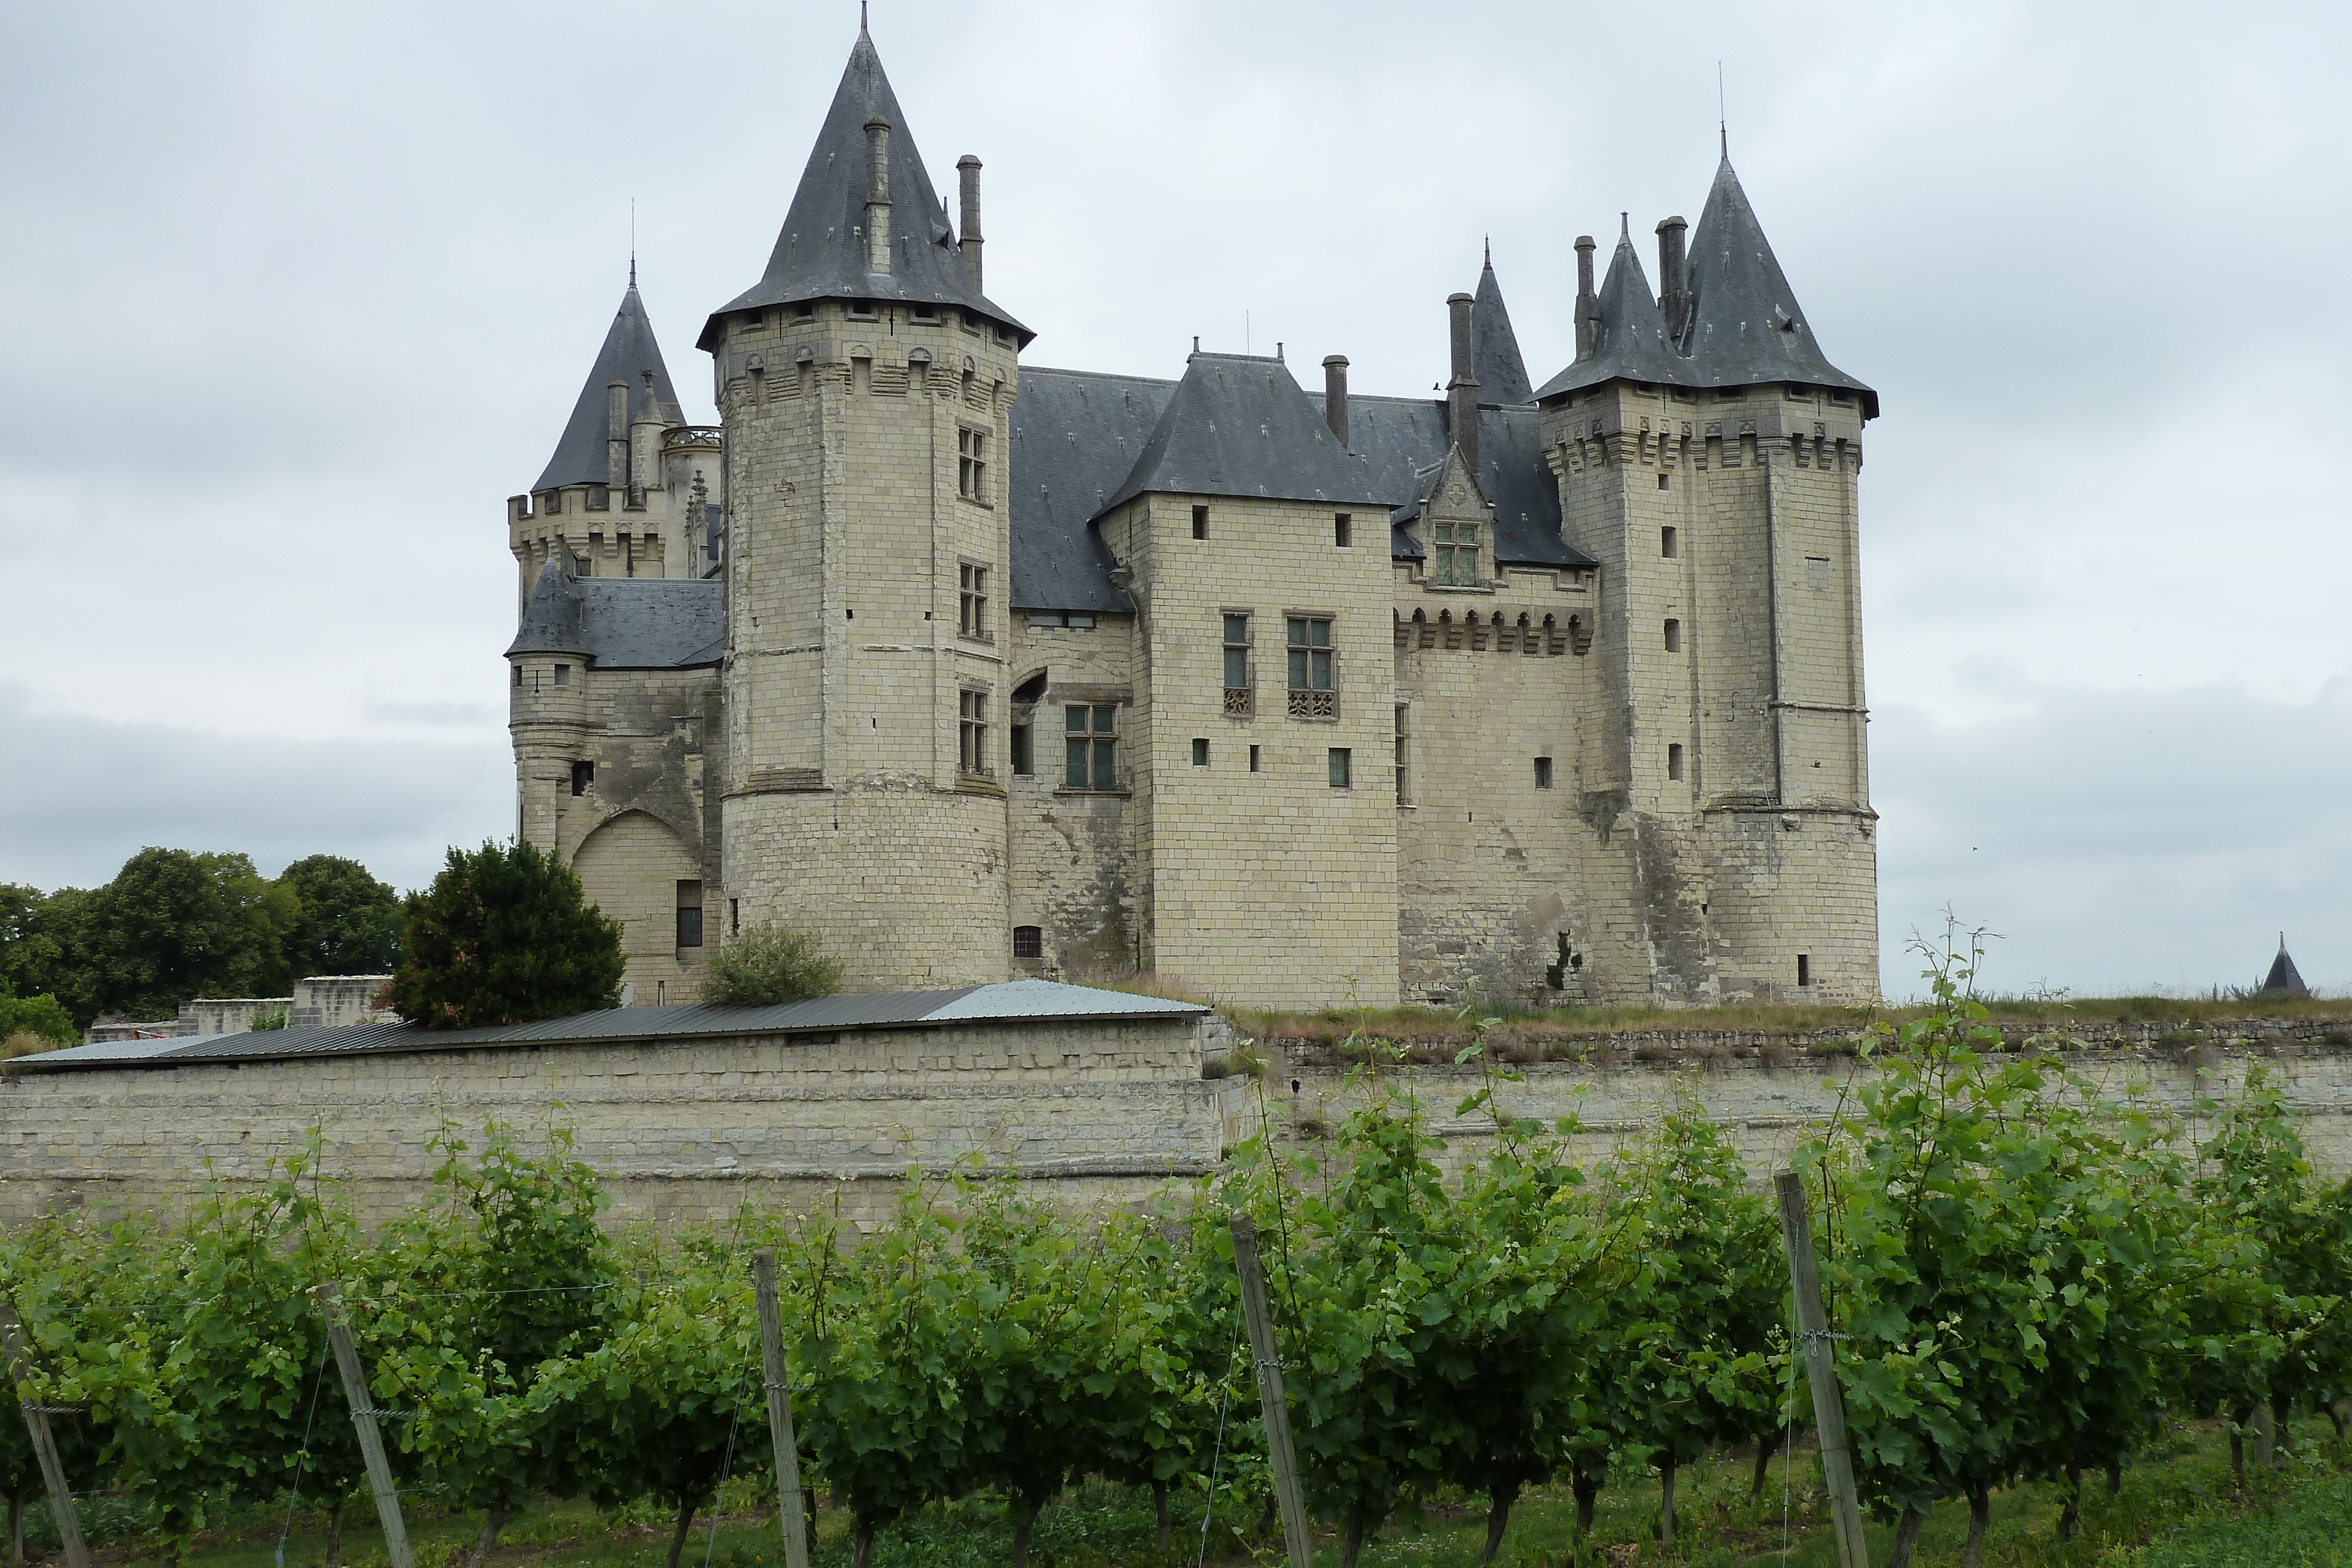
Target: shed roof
1015 1001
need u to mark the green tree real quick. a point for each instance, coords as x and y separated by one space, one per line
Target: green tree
505 934
767 964
39 1019
172 925
346 922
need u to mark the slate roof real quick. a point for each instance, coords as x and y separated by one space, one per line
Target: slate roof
1015 1001
821 251
1746 326
1237 424
622 623
2283 977
1494 347
630 349
1077 434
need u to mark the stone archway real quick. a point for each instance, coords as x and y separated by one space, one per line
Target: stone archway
640 873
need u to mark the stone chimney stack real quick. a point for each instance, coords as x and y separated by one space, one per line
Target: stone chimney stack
616 434
968 166
1673 278
877 194
1461 391
1335 396
1588 304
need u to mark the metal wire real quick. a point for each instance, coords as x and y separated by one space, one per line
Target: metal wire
716 1492
1209 1509
301 1456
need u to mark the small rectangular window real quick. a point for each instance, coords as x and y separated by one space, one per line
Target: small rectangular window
971 602
1674 636
1543 772
1457 555
1025 757
1668 543
583 774
1199 522
689 926
734 916
924 313
1252 758
1674 761
563 674
1200 751
1341 527
803 312
1091 743
1662 481
972 731
1817 571
1340 779
863 310
1028 941
1804 970
971 464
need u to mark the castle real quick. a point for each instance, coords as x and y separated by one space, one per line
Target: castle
980 670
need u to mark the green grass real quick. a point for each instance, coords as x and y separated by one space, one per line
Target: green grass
2178 1508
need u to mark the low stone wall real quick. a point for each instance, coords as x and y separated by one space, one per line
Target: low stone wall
680 1129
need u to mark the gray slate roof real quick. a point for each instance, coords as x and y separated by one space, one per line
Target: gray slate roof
630 349
1015 1001
2283 977
1746 326
1494 348
821 251
1237 424
622 623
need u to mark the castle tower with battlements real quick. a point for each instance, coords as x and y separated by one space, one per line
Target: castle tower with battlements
977 669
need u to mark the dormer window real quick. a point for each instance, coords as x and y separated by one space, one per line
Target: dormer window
1455 554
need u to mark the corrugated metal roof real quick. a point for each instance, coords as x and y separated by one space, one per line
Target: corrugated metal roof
1010 1002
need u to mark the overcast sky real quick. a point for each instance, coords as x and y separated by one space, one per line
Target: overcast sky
297 294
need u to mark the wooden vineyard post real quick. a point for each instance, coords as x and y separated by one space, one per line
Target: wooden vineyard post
45 1445
1821 1371
1269 1393
355 1388
780 1410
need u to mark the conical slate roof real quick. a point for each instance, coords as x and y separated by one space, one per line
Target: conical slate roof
1239 425
1494 347
1632 339
550 619
2283 978
821 251
629 351
1746 325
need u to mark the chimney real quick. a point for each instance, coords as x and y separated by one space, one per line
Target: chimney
877 194
969 167
1673 278
1588 304
1461 391
616 433
1335 396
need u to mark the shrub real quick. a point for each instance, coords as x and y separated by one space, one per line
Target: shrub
268 1020
40 1017
770 963
505 936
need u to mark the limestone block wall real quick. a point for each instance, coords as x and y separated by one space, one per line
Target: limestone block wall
1073 849
1265 881
681 1130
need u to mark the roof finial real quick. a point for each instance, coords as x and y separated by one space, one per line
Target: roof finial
1722 117
1625 228
1490 251
861 18
632 242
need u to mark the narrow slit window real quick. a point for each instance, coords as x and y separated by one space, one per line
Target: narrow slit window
1403 757
1341 777
1343 530
1238 702
1024 757
1804 970
1200 751
1254 759
1674 762
1669 543
972 731
1543 772
1199 522
1674 636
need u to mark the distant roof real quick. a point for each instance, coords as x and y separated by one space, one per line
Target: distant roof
2282 976
821 251
1077 434
1631 344
581 456
622 623
1494 356
1237 424
1011 1002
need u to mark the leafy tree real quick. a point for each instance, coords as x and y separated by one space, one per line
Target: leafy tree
37 1020
346 923
767 964
172 925
505 936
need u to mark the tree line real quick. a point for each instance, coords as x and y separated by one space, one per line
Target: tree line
174 925
2031 1274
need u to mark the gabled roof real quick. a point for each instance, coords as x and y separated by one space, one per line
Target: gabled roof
1239 425
1631 343
1494 348
629 351
821 251
622 623
1746 325
1009 1002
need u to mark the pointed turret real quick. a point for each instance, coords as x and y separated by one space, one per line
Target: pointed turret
550 619
583 455
1628 331
1746 326
1237 424
1494 347
2283 979
865 223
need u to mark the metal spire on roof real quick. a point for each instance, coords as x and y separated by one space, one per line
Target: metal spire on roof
632 242
1722 116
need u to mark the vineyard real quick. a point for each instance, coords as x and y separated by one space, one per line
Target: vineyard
2026 1280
